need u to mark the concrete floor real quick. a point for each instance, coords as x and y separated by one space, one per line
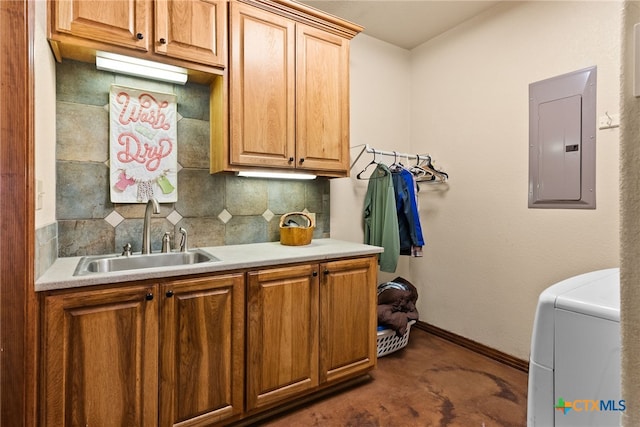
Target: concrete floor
431 382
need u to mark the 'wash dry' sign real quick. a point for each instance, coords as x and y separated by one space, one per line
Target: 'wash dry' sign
143 145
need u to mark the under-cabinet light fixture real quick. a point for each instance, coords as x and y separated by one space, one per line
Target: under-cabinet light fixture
107 61
275 175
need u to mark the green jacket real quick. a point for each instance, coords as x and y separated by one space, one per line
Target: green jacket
381 218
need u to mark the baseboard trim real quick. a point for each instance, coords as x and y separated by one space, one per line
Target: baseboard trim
492 353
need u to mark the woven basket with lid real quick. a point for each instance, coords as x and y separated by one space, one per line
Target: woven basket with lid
296 235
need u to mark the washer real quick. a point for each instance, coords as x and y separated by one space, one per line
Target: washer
575 353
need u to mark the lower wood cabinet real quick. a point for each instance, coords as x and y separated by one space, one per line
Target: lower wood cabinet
100 352
282 333
201 350
177 353
348 318
107 352
309 326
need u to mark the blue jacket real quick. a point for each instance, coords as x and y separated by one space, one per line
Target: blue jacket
409 228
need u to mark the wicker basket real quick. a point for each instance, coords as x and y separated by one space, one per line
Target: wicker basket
388 342
296 236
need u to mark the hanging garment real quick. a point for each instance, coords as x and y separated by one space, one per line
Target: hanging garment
381 219
409 228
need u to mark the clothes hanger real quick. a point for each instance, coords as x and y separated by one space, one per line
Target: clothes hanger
437 175
373 162
395 166
418 171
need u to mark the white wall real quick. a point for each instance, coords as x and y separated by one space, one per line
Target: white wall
45 118
380 93
487 256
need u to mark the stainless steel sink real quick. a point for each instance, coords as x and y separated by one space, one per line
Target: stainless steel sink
109 263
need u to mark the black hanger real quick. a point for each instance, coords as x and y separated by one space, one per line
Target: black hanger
395 166
435 173
417 170
373 162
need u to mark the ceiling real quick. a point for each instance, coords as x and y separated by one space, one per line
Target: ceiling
406 24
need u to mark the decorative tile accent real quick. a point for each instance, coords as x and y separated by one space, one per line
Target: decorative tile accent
200 193
130 231
193 143
85 237
286 195
82 83
88 143
82 190
245 229
114 218
246 196
174 217
225 216
201 232
315 193
268 215
193 101
46 248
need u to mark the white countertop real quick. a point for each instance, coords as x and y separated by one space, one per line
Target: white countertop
233 257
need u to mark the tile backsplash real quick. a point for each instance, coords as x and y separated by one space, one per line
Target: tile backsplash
214 209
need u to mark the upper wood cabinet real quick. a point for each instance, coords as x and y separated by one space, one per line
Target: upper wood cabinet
192 30
322 100
288 90
189 33
262 87
123 23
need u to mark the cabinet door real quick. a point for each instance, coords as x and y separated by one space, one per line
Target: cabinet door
122 23
262 88
192 30
348 318
282 333
100 352
322 100
202 350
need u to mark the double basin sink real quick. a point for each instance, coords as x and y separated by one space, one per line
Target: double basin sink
115 262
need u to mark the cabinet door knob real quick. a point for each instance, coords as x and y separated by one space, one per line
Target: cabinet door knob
301 159
139 36
291 159
163 41
169 294
314 274
149 296
326 271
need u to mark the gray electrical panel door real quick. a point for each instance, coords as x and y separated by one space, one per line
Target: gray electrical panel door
559 152
562 122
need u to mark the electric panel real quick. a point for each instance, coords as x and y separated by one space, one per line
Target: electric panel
562 125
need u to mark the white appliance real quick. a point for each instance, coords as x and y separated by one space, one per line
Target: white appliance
575 353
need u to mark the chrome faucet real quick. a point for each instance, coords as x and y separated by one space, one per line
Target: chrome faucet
146 232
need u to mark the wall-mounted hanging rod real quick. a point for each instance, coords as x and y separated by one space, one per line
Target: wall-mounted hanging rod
368 149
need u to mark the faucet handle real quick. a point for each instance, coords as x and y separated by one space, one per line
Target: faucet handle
183 240
166 242
126 249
